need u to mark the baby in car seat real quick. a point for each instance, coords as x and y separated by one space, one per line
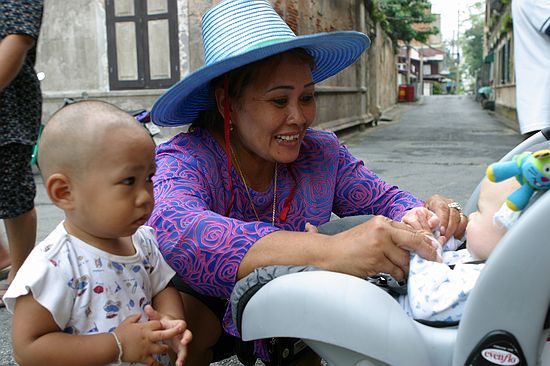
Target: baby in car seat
437 291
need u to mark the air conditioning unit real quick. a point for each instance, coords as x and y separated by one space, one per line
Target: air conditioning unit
402 67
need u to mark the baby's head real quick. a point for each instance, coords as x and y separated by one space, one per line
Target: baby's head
97 163
483 232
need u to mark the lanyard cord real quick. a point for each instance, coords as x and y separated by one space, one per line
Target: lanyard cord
226 121
286 205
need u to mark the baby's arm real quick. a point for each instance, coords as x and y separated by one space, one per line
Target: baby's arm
38 340
168 309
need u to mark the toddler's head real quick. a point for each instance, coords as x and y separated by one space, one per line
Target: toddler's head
482 232
97 163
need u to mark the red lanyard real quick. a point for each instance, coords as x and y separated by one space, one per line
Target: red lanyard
286 205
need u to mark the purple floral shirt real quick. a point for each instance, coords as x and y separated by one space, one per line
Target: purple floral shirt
192 195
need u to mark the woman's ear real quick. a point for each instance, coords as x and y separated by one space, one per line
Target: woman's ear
59 189
220 99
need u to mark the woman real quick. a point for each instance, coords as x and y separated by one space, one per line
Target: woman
236 192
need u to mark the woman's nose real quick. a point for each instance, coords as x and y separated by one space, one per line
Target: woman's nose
296 114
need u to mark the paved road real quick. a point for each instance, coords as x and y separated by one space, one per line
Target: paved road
439 145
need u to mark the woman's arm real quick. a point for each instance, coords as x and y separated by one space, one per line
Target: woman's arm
37 340
359 191
378 245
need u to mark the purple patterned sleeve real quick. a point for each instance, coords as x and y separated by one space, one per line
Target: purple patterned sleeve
361 192
204 247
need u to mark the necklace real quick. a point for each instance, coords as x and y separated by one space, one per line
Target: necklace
238 165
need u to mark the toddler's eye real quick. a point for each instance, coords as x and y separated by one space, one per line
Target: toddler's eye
150 177
128 181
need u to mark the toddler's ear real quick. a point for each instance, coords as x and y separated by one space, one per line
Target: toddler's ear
58 187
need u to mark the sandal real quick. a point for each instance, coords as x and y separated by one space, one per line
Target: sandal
4 272
3 288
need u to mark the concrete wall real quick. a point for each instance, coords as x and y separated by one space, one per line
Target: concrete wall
72 52
505 103
381 72
494 41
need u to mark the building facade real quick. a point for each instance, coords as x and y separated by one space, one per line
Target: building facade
498 50
128 52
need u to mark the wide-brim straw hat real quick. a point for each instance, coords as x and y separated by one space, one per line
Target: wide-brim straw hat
238 32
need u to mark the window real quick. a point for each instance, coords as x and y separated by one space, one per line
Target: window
427 69
142 44
505 63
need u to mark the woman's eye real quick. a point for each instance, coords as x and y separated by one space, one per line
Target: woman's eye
128 181
280 102
306 99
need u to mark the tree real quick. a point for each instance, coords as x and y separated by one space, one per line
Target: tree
472 42
405 20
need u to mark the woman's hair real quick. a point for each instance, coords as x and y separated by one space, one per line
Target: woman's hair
239 79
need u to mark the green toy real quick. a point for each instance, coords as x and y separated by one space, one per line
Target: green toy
532 170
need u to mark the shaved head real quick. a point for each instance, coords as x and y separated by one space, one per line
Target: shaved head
75 134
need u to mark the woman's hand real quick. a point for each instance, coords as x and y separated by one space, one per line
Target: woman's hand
452 221
378 245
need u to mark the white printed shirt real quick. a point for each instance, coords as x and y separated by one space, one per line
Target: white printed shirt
88 290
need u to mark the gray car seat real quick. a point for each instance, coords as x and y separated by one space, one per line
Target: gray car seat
349 321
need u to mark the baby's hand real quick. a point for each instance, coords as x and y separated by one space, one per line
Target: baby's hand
180 341
311 228
420 218
140 341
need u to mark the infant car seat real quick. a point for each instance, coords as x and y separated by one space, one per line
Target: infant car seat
349 321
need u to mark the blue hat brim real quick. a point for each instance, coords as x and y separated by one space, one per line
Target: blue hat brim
332 52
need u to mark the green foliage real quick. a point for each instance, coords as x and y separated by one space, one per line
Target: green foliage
472 44
437 88
506 22
398 16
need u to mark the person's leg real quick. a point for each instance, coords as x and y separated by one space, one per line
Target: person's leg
206 329
21 233
5 260
17 193
310 360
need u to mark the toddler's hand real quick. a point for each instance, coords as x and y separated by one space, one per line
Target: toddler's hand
180 341
420 218
140 341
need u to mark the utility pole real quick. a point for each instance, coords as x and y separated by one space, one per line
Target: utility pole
457 51
408 75
421 74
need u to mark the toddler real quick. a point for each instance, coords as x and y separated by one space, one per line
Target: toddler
95 291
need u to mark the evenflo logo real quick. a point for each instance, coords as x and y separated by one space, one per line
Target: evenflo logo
500 357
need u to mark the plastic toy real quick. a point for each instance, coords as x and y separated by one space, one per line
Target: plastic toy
532 170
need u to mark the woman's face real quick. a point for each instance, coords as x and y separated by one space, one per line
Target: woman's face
275 110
